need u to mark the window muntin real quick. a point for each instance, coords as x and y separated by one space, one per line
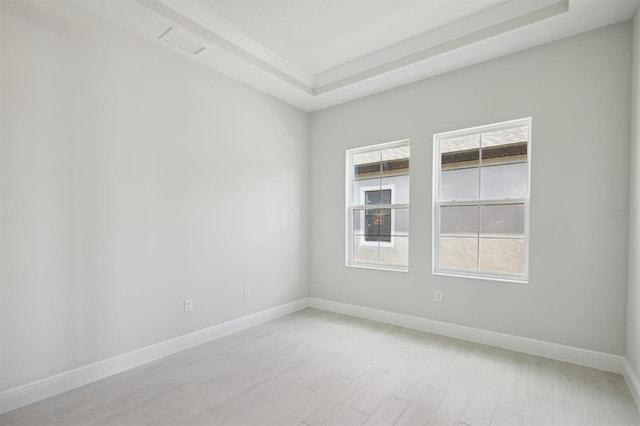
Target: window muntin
378 206
481 201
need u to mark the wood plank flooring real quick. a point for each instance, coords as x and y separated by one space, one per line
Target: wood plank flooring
316 368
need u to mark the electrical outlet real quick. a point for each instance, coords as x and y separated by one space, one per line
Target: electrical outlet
247 292
188 305
437 296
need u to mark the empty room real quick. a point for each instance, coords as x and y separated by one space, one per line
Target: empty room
319 212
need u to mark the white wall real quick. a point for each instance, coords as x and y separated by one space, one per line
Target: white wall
132 179
577 91
633 296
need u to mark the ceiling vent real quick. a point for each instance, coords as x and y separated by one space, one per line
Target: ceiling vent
184 42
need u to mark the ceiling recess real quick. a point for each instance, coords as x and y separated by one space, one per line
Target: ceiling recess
184 42
328 58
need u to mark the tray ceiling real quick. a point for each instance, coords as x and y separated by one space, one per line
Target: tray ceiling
317 53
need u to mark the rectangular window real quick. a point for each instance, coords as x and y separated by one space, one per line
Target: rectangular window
378 206
481 201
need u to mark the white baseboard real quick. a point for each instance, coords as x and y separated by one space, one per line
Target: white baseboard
62 382
53 385
586 357
633 383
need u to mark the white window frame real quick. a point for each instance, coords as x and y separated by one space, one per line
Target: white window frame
350 208
436 203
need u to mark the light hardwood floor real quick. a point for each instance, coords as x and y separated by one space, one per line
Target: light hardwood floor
316 368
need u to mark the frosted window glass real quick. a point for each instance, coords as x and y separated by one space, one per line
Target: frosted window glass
502 220
459 220
459 184
504 181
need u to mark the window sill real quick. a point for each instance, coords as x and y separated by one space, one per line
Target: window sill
498 278
377 267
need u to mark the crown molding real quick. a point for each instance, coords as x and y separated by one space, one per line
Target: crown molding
200 16
497 20
510 27
489 23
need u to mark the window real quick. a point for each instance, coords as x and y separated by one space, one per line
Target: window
481 201
378 206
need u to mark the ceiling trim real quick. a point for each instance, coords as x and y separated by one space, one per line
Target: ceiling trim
506 16
510 16
200 16
213 39
511 26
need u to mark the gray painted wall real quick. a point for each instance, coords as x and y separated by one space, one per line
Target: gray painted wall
578 92
633 297
130 180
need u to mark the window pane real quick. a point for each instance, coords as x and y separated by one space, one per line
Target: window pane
395 153
380 224
504 181
395 161
502 220
458 253
400 222
505 137
399 186
369 157
365 251
378 196
397 253
360 187
504 255
358 222
366 165
377 225
505 146
459 221
460 184
374 225
459 152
